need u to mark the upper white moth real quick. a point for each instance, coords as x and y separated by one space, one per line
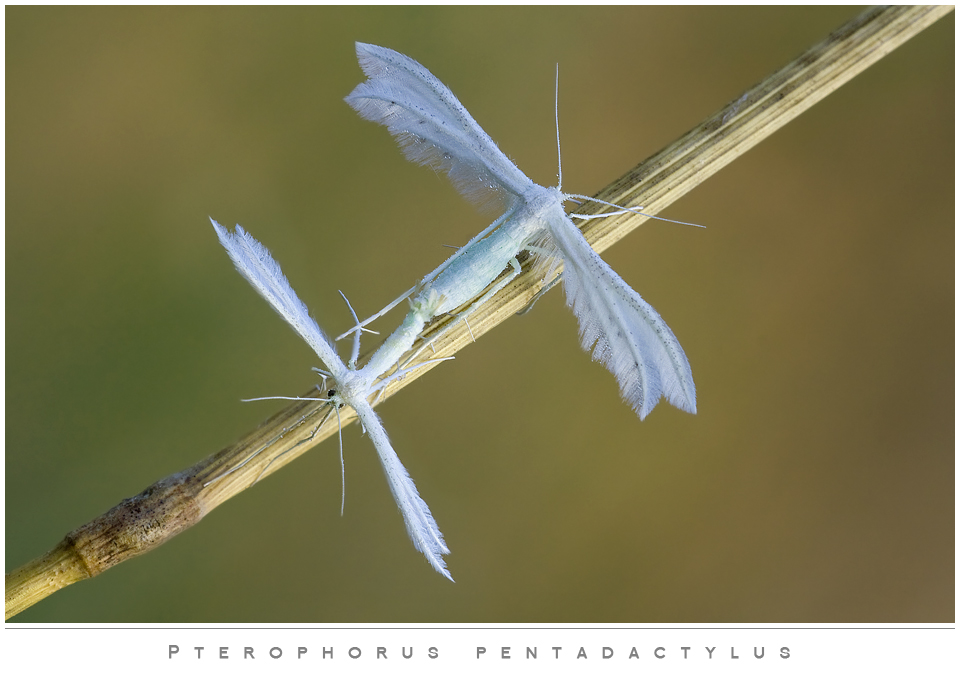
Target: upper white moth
623 332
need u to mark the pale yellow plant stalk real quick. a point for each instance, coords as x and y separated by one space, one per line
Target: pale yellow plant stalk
175 503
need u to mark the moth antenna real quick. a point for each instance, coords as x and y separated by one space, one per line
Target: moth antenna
355 351
343 470
556 116
267 445
292 448
283 398
236 466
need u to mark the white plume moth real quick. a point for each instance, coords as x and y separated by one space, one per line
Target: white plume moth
433 128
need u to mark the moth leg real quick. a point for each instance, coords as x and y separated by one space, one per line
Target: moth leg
536 298
361 326
462 316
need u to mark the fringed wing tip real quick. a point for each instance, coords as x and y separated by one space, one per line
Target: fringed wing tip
441 568
687 405
224 234
435 557
620 329
644 408
432 549
421 527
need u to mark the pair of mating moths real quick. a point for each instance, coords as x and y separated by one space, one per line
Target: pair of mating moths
433 128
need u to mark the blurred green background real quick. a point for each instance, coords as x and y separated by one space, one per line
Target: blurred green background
816 483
